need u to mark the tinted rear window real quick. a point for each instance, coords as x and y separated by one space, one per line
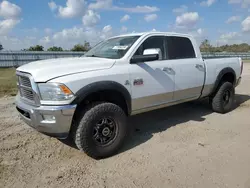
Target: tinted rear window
180 48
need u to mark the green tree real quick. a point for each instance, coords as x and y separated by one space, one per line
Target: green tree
81 48
55 49
206 46
1 47
87 45
35 48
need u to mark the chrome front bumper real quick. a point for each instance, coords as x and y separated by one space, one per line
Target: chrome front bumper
53 121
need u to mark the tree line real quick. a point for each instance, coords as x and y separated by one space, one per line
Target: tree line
204 47
77 48
207 47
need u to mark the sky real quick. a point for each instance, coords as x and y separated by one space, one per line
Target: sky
64 23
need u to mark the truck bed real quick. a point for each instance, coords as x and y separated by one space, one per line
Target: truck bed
213 67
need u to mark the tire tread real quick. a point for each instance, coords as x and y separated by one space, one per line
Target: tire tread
216 101
80 132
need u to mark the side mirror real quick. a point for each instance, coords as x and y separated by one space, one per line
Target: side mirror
143 58
151 54
153 51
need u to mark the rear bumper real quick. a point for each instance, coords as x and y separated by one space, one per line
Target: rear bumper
53 121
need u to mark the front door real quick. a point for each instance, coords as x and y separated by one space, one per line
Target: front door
152 82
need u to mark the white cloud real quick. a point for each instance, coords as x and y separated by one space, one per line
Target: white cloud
9 10
73 8
7 25
200 31
124 29
187 20
229 35
233 19
229 38
48 31
45 40
107 29
91 18
138 9
181 9
107 32
244 3
207 3
108 5
67 38
198 34
10 43
52 6
73 33
125 18
150 17
234 1
246 24
14 43
101 4
30 38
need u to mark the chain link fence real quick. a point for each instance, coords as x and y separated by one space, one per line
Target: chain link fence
18 58
245 56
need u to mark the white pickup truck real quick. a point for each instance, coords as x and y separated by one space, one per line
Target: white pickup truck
89 98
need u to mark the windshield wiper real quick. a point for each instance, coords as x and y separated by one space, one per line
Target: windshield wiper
92 56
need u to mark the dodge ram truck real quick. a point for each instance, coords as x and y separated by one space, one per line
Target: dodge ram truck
89 98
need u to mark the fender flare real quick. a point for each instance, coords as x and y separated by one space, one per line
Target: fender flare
101 86
220 75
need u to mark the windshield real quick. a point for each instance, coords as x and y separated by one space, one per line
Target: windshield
114 48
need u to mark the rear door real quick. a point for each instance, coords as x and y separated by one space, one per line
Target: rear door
152 82
189 70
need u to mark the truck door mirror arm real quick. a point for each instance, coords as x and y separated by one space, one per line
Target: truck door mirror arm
143 58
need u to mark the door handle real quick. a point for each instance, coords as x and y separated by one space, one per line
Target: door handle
167 69
198 66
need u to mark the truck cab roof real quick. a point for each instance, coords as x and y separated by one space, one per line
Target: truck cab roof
155 33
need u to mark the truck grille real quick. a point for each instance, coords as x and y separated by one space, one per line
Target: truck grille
25 81
25 88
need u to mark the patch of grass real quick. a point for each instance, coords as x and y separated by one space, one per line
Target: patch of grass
8 82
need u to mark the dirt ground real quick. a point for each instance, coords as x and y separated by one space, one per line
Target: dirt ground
182 146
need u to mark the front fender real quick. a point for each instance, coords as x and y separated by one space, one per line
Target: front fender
101 86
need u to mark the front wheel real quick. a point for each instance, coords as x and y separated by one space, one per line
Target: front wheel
101 130
223 100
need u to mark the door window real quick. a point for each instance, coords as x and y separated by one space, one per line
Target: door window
179 48
153 42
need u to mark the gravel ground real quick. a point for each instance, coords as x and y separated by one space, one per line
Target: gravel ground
182 146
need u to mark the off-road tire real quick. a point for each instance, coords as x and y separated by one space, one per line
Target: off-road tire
218 102
84 127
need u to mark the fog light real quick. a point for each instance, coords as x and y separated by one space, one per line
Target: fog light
49 119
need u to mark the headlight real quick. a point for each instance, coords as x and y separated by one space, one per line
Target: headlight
55 92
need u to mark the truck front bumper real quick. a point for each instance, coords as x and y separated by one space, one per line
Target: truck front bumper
53 121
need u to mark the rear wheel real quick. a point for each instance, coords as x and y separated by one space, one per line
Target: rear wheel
222 101
101 130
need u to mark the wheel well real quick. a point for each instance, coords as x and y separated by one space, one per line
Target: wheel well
111 96
228 77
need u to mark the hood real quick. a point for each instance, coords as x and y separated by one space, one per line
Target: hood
45 70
